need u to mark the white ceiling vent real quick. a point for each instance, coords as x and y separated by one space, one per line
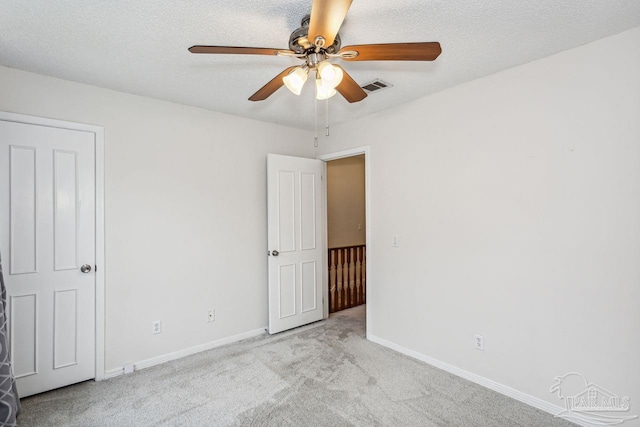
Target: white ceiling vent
376 86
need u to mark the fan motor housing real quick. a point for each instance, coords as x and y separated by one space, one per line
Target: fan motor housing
300 43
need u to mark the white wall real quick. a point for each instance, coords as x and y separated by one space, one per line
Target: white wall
346 213
516 198
517 201
185 211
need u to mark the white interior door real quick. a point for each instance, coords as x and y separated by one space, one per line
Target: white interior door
296 245
47 232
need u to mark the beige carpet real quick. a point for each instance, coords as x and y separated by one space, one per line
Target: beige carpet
326 374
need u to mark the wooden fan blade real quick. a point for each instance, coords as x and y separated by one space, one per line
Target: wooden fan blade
427 51
236 50
326 19
268 89
348 88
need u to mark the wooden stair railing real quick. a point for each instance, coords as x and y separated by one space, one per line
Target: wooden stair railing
347 277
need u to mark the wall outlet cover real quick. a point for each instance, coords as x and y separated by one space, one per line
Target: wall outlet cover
479 342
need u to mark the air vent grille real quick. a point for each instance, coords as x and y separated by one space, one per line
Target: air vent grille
376 86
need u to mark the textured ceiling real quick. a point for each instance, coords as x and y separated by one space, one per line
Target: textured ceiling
140 46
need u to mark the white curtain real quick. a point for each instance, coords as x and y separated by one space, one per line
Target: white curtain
9 400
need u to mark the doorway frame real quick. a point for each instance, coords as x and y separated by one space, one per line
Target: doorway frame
366 150
98 132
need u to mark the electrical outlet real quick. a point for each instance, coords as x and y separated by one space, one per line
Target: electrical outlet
479 342
395 241
156 327
211 315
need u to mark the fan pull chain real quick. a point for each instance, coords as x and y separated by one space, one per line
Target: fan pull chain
315 110
326 116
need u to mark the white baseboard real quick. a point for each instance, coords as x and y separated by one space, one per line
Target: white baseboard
184 353
537 403
112 373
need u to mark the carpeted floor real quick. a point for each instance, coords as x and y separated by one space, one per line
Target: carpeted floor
325 374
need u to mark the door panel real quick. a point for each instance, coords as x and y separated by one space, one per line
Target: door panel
23 209
294 234
65 224
65 328
47 230
23 323
286 211
308 221
308 286
287 291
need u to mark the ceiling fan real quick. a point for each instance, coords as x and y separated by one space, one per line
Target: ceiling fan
315 42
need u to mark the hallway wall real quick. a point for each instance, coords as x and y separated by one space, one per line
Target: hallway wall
346 220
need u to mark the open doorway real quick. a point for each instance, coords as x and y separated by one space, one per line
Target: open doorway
346 232
347 229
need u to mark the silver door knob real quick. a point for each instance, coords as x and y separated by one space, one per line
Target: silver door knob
85 268
275 253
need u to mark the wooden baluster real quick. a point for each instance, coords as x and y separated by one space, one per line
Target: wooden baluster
337 265
336 295
348 305
332 302
352 283
357 273
355 276
345 276
329 254
349 258
364 274
355 281
362 271
338 284
330 292
349 296
361 290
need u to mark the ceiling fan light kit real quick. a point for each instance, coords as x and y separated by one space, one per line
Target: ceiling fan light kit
327 78
323 91
316 41
331 76
296 79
